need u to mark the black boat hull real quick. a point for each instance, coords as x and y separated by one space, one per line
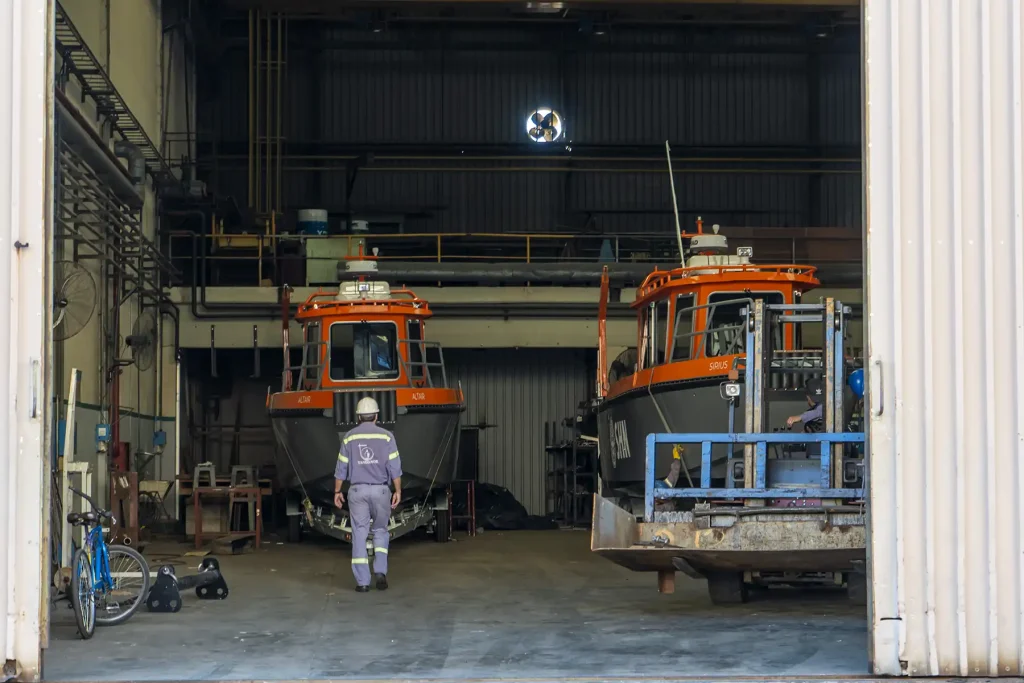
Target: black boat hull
428 440
624 422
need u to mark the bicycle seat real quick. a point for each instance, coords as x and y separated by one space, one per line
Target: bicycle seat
76 518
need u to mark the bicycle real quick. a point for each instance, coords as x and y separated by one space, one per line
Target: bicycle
98 594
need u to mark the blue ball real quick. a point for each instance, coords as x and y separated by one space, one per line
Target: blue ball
856 382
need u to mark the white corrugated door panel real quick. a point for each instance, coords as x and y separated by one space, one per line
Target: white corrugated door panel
26 121
945 302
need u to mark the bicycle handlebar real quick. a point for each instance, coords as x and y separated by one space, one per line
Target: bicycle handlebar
95 507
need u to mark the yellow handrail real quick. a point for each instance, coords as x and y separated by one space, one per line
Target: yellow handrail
516 247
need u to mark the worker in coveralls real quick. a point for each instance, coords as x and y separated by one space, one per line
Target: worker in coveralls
815 395
369 460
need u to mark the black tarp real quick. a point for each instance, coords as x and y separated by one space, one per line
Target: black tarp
498 510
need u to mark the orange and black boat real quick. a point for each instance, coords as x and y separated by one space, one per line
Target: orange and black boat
366 339
690 337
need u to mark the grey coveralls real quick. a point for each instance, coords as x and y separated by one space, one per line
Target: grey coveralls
369 460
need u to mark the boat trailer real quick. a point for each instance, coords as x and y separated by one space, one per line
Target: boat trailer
787 508
408 517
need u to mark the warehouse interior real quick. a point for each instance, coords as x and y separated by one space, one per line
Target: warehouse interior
220 164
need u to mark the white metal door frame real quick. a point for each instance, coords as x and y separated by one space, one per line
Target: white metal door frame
26 206
944 162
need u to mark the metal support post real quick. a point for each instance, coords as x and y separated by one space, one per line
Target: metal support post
85 485
838 371
754 385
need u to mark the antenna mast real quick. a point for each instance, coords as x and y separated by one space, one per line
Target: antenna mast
675 205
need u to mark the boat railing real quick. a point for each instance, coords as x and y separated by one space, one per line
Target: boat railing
424 363
660 278
424 368
692 345
329 301
308 375
788 369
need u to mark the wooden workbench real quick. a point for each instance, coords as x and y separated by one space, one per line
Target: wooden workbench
224 492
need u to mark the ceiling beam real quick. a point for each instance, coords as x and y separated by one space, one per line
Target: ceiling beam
537 7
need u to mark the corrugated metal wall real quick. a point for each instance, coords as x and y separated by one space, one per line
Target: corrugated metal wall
26 178
518 390
945 298
728 92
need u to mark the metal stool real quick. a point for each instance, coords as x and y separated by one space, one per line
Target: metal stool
210 472
243 476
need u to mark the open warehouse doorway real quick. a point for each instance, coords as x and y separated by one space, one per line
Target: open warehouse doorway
325 211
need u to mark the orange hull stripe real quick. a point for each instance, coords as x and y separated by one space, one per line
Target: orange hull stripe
680 371
324 400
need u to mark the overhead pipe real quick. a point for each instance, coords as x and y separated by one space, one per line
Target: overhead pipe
558 157
219 311
516 309
75 131
136 161
197 297
572 274
527 309
576 169
167 308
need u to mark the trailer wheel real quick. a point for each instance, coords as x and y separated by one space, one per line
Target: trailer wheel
727 588
294 528
442 526
857 588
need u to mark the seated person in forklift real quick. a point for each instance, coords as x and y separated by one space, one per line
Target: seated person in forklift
674 469
671 480
815 393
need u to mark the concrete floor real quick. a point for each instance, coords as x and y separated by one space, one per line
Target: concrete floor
501 605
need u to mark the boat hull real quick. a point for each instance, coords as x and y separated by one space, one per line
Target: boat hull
624 422
308 444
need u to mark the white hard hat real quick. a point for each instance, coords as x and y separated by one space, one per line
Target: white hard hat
367 406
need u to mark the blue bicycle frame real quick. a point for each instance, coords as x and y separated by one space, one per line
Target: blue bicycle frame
99 558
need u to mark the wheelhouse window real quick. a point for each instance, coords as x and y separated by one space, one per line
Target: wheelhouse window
363 351
659 318
682 339
311 352
417 367
643 358
725 329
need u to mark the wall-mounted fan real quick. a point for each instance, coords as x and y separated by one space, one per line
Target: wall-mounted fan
143 340
544 125
74 299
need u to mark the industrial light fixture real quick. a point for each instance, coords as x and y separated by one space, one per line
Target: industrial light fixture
545 7
544 125
589 28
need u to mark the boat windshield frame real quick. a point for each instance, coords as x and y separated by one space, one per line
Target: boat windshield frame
428 371
699 334
367 373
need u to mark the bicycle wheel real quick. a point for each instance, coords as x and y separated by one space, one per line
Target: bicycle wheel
129 578
83 594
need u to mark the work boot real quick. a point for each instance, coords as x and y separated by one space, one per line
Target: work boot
362 589
382 582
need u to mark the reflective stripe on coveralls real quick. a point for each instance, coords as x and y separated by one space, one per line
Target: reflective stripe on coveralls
370 508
